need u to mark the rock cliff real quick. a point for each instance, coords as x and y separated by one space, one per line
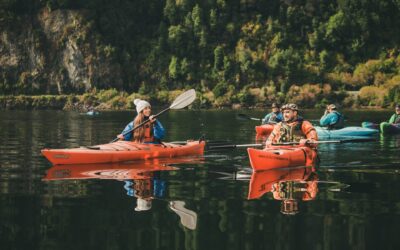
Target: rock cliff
55 52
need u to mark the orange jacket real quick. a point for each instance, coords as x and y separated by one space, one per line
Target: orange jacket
292 132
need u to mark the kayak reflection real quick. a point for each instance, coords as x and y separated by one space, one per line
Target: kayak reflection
141 180
118 171
287 185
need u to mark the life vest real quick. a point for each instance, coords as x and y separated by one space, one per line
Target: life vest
148 132
143 188
304 190
299 190
291 132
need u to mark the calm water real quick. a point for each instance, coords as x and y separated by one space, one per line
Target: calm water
351 201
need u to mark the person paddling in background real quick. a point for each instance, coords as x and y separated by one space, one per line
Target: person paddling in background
293 128
332 118
151 132
395 118
274 117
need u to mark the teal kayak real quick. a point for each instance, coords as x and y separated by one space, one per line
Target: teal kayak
92 113
370 125
345 132
388 128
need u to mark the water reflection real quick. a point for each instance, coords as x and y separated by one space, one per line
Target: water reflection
287 185
117 171
141 180
389 141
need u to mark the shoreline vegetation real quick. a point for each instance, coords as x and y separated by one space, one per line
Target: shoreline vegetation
310 96
68 54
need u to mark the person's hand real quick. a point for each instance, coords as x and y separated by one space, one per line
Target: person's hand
303 142
268 143
326 112
307 142
152 119
120 136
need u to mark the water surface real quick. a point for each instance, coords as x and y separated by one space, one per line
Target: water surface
351 201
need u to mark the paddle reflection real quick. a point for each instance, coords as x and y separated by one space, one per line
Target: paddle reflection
287 185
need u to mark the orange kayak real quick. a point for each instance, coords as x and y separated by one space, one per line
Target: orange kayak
122 151
281 157
264 130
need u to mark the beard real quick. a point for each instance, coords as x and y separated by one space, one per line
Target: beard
291 119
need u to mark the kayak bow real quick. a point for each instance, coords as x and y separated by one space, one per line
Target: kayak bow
281 157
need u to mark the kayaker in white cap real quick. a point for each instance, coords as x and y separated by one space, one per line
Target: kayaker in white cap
332 118
151 132
143 204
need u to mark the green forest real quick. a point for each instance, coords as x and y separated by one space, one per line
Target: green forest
249 52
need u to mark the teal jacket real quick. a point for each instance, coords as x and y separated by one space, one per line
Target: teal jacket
273 118
333 120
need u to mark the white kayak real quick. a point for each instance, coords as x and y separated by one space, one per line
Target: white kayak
346 132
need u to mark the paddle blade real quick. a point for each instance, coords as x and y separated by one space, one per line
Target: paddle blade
188 217
184 99
246 117
243 117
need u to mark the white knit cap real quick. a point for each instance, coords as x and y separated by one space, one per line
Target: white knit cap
141 104
142 204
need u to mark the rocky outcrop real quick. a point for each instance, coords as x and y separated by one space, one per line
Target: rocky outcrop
55 52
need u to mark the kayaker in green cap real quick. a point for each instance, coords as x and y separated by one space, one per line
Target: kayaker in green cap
332 118
275 116
151 132
293 128
395 118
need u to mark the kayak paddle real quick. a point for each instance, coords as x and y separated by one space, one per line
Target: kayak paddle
246 117
188 217
332 141
182 101
208 142
232 146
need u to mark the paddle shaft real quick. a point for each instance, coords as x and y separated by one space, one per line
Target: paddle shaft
323 142
231 146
